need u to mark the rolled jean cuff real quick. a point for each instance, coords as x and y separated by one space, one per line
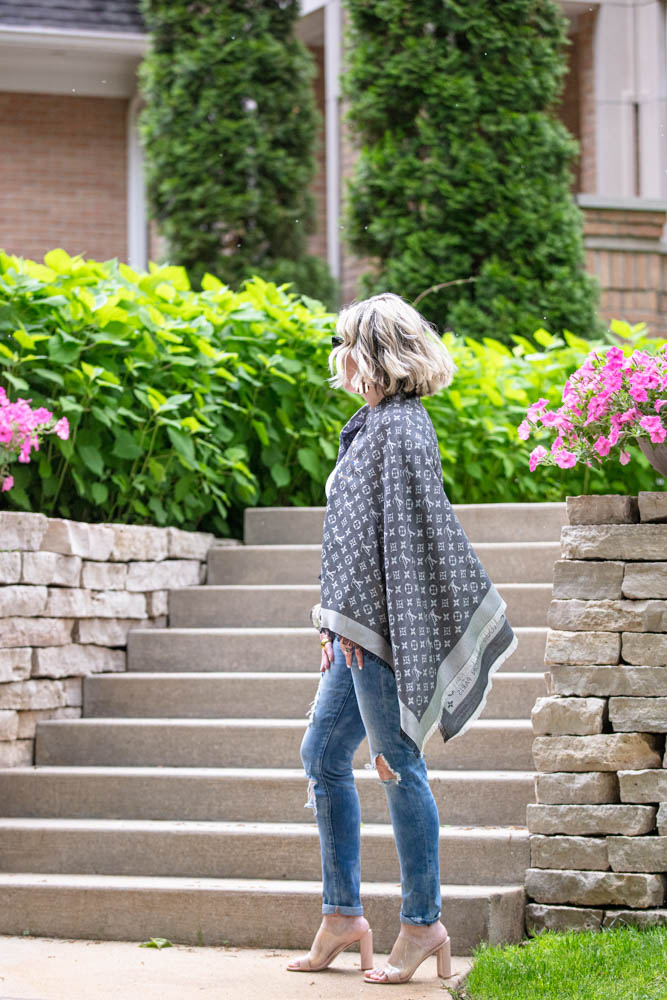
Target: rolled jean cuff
346 911
419 922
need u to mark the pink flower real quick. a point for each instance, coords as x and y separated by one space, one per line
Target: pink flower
535 407
638 393
565 459
524 430
597 407
624 457
536 456
615 357
656 431
7 483
62 428
659 403
630 414
41 415
602 445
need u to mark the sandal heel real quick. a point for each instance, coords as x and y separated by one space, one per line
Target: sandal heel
366 948
444 959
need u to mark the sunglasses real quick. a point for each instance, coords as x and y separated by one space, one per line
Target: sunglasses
336 341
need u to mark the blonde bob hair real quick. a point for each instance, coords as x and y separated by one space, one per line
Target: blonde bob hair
394 348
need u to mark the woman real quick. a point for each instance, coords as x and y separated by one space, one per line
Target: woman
411 630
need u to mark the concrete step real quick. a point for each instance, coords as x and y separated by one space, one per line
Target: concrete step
275 795
468 854
509 562
252 913
507 743
288 605
497 522
271 695
268 649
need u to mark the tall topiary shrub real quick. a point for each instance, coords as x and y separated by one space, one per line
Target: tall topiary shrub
464 170
230 132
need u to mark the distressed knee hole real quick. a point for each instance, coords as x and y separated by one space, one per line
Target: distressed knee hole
384 771
310 801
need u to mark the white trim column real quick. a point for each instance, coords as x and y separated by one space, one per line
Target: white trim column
614 97
630 52
651 34
333 22
137 222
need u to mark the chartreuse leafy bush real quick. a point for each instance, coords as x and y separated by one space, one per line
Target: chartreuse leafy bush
185 407
464 170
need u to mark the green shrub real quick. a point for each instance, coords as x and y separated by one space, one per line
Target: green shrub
230 131
464 170
483 460
186 407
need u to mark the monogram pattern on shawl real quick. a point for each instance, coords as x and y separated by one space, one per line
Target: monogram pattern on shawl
399 575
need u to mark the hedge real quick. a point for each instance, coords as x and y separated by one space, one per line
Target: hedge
464 173
185 407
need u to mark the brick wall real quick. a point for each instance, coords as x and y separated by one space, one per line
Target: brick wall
352 267
63 175
317 241
598 827
70 593
624 251
569 109
586 79
577 107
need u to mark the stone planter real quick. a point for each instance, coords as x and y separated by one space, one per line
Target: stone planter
656 454
70 593
598 826
594 508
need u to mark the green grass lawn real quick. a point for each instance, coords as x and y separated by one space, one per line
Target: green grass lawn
623 963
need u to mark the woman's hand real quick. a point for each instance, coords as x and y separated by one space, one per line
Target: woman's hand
326 639
349 649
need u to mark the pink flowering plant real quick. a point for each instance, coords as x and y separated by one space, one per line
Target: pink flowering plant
611 401
21 431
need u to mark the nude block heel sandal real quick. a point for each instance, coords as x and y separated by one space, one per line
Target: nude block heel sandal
412 959
366 948
444 959
331 945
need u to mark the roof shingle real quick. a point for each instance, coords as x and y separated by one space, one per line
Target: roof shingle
90 15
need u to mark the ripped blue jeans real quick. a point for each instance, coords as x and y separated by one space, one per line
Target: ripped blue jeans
351 704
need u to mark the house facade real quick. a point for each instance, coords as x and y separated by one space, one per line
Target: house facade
71 164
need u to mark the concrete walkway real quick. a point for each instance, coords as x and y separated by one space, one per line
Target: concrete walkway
38 968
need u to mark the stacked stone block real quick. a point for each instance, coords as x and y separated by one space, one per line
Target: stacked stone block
70 593
598 827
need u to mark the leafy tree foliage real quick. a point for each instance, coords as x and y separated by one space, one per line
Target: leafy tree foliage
464 170
230 132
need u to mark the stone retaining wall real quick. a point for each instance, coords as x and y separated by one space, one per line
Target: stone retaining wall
598 827
70 593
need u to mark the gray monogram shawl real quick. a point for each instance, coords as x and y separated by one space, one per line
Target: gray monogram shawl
399 576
